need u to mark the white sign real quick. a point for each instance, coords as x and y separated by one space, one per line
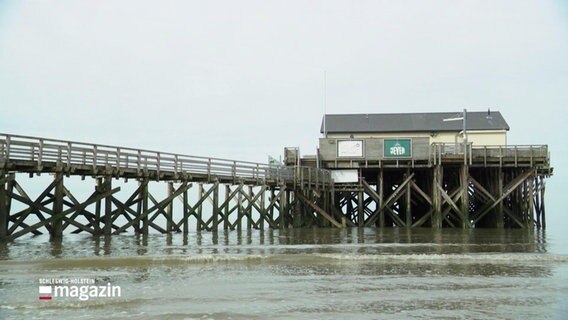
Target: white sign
344 176
350 148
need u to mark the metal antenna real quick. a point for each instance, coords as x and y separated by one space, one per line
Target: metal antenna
324 103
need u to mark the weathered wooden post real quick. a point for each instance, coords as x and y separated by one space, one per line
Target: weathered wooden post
215 206
144 211
4 214
531 200
543 213
360 208
283 207
298 211
57 222
185 215
437 197
108 205
262 209
500 219
226 223
381 192
408 200
240 210
464 183
200 208
170 208
250 207
272 200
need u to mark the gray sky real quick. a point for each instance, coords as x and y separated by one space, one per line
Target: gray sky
243 79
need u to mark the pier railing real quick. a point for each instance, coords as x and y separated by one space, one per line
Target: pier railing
488 155
34 153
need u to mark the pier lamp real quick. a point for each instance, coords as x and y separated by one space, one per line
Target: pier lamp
463 118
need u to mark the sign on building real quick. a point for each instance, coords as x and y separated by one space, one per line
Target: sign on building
345 176
350 148
397 148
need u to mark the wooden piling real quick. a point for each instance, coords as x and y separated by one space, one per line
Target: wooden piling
360 209
57 222
283 207
381 191
144 211
215 206
249 208
4 213
437 197
170 208
262 209
500 212
186 213
108 206
408 201
464 184
198 225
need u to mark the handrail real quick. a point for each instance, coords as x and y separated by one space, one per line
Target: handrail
511 153
62 152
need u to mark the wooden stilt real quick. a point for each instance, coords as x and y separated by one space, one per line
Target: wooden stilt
226 222
298 211
543 214
500 208
381 192
262 209
283 207
240 209
408 201
170 209
272 200
360 209
199 225
249 208
464 183
437 197
537 201
4 213
185 218
107 182
215 207
98 206
57 223
144 213
530 199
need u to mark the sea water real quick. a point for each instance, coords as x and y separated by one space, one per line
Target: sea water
292 274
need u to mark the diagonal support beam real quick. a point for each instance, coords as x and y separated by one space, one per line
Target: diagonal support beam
64 213
390 200
197 205
507 191
318 209
416 188
157 207
452 204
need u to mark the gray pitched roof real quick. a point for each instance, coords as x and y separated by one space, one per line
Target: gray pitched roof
412 122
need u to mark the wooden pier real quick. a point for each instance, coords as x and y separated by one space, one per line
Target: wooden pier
495 188
233 192
491 187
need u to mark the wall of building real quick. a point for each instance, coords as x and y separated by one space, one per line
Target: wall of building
488 138
372 149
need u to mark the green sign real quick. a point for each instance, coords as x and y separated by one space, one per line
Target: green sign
397 148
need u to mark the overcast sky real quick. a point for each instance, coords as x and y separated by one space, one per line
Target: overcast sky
243 79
